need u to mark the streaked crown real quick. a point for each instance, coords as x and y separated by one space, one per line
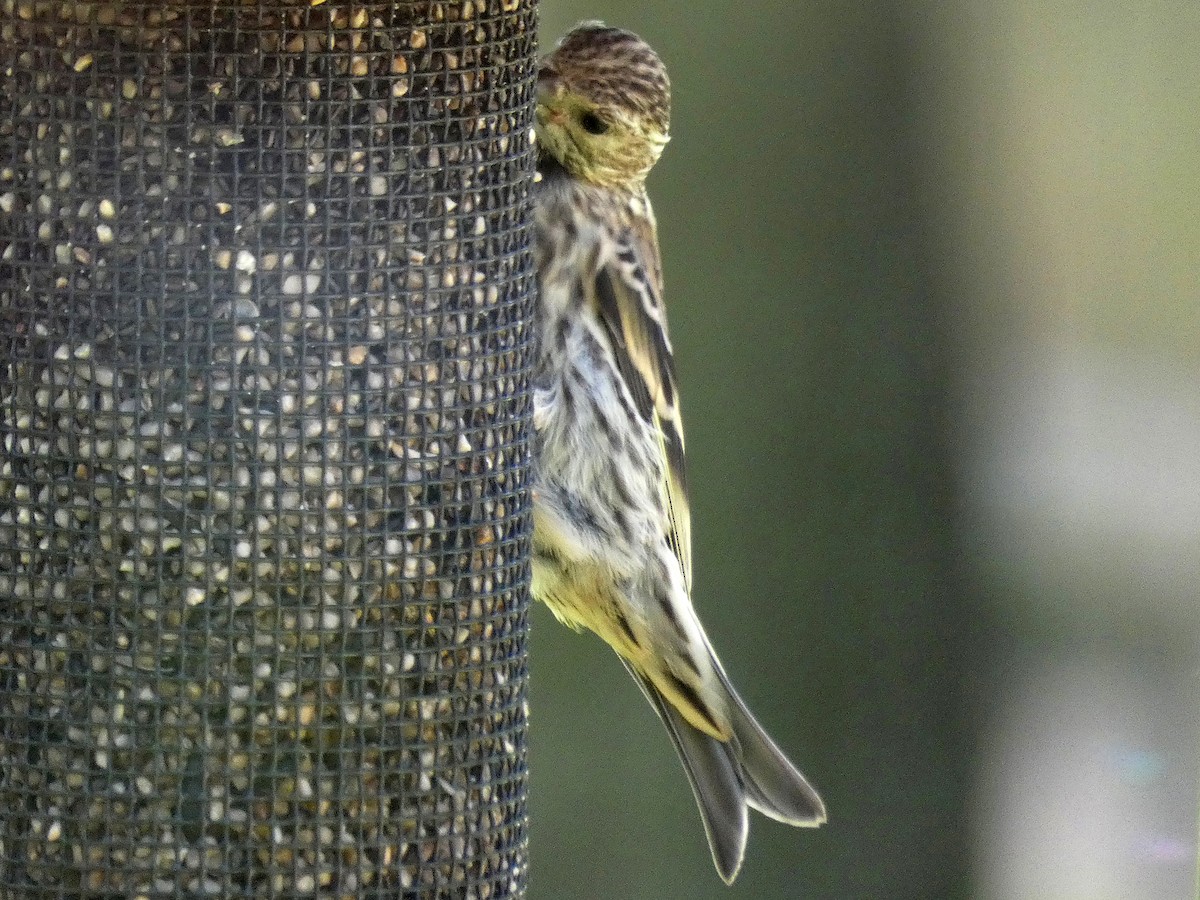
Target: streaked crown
614 67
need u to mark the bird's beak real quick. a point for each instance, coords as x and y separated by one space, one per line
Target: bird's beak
550 89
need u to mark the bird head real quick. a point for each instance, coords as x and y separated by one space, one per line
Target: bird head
603 105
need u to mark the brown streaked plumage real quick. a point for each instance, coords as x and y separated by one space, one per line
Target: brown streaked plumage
612 531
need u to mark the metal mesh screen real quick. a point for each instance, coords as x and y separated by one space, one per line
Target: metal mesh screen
264 274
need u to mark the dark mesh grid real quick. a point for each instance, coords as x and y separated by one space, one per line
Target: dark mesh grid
264 275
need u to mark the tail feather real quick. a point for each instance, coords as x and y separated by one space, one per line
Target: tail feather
727 776
715 775
774 786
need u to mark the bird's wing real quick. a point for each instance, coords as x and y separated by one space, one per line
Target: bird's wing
629 304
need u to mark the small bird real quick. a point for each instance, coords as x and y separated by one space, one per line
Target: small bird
612 532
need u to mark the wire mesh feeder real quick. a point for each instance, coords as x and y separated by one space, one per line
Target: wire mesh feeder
264 269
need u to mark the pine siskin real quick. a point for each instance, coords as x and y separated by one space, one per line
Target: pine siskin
612 536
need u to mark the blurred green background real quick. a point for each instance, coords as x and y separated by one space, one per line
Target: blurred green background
932 277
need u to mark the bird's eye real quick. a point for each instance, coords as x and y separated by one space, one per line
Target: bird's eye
592 123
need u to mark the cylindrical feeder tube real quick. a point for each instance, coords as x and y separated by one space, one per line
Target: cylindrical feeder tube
265 275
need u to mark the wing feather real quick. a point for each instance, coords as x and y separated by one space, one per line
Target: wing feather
628 292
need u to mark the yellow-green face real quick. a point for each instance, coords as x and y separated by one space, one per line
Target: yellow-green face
603 145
